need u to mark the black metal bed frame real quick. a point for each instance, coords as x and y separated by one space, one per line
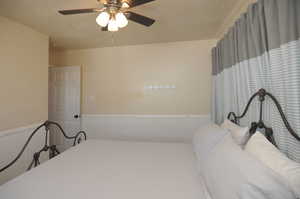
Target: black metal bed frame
53 151
262 94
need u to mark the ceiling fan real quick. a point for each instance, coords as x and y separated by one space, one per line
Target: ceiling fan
115 14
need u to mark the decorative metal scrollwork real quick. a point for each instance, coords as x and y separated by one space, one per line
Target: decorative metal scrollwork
53 151
262 94
81 135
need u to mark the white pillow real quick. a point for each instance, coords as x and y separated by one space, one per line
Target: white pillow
266 152
229 172
239 134
206 138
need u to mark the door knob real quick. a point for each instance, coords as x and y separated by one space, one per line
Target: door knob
76 116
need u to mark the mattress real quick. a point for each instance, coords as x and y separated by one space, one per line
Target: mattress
113 170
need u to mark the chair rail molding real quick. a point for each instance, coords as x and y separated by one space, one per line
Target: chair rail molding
158 128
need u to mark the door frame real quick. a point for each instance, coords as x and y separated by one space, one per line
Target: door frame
80 94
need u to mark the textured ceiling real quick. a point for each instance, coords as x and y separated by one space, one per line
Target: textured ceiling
177 20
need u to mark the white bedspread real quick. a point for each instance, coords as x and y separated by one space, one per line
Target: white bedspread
113 170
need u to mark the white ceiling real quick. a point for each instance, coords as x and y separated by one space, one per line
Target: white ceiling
177 20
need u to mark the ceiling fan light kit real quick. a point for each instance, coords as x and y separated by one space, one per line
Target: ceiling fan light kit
125 4
103 19
115 14
121 20
113 25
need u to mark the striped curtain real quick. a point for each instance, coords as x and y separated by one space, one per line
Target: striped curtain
262 50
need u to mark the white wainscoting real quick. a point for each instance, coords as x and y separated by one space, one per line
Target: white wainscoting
11 142
163 128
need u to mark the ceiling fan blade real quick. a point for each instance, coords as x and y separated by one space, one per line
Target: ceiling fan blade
146 21
78 11
134 3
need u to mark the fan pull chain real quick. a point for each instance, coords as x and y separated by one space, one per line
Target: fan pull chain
112 39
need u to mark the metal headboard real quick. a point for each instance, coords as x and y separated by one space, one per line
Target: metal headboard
262 94
53 151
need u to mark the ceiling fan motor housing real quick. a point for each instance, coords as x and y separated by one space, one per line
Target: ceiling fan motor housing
115 3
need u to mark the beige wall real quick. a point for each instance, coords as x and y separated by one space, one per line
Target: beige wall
114 78
24 75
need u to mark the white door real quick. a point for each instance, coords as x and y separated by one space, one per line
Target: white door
64 103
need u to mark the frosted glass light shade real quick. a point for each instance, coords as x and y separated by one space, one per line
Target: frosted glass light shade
121 20
103 19
125 5
113 25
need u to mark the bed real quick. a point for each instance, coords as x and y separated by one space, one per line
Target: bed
217 165
113 169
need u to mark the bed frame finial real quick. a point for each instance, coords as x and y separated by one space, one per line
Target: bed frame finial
262 93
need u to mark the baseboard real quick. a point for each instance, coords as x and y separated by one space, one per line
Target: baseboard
162 128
